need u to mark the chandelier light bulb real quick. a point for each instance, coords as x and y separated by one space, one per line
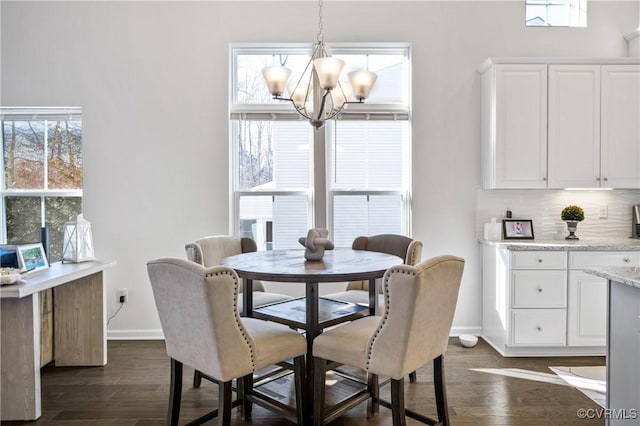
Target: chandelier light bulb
362 82
328 70
276 78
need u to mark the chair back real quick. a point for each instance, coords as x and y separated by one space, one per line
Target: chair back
404 247
199 317
420 302
209 251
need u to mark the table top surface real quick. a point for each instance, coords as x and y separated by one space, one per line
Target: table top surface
291 266
57 274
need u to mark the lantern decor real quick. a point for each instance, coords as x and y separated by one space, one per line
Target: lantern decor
77 245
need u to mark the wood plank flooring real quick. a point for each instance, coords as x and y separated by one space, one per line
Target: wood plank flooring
132 390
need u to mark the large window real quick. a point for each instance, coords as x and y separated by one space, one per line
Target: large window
41 181
351 176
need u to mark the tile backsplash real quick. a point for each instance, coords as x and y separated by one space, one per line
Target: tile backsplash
543 206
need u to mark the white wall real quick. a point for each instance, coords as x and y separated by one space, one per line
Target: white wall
152 79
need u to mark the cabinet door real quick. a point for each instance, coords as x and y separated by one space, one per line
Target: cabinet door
620 126
574 126
521 126
587 319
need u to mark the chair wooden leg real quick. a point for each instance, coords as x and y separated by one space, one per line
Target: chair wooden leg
320 373
440 391
197 379
397 402
247 389
298 372
413 377
225 397
373 387
175 393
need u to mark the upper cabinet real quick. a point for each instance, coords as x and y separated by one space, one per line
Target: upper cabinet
620 126
560 125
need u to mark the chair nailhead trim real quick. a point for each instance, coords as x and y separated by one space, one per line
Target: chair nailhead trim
237 316
387 303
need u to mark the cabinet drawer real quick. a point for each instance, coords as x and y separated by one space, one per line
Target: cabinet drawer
584 259
539 289
539 327
539 260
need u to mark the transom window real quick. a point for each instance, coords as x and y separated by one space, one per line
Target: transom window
41 180
556 13
351 176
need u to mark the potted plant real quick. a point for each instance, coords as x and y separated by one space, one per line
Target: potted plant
572 215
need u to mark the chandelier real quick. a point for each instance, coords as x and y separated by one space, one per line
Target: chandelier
318 94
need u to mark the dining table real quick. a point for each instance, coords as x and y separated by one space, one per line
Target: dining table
311 313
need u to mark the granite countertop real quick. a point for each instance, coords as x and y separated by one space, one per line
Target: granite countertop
629 275
586 244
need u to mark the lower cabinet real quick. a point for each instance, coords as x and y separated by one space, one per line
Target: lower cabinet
540 303
587 325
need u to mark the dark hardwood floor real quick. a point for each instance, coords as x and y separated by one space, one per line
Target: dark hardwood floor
132 390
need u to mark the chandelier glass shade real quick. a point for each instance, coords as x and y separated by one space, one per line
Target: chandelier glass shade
318 95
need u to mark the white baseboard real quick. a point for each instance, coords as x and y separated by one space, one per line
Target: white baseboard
157 334
457 331
135 335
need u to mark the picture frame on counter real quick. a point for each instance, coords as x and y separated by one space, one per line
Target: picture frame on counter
31 257
517 229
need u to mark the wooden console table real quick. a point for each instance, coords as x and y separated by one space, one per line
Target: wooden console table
79 331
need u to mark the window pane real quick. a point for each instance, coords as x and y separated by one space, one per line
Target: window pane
556 13
24 219
272 154
64 154
23 154
274 222
250 86
358 215
58 210
368 154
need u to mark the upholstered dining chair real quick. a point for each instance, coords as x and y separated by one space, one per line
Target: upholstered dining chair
404 247
209 251
203 329
399 245
420 302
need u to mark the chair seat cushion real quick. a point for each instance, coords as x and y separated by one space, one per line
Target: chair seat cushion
356 296
273 342
261 298
347 344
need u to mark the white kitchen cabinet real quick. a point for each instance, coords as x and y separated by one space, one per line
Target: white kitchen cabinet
620 126
587 308
541 303
514 126
560 123
574 126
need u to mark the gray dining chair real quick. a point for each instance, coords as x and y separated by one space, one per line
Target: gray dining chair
209 251
203 329
399 245
420 302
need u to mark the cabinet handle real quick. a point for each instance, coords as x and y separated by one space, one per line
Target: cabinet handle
539 289
626 260
544 178
539 260
598 179
538 328
605 179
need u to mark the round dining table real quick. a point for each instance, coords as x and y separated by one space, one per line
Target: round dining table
339 265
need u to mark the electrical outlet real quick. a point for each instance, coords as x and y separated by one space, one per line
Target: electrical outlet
123 295
604 212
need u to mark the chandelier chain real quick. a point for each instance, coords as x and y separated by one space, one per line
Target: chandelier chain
320 37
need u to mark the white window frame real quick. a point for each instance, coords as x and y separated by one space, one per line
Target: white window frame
320 195
44 114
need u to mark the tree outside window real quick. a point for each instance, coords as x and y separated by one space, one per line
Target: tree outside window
42 173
